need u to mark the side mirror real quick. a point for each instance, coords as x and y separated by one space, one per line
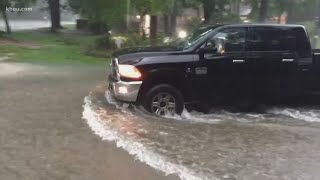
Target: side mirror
209 50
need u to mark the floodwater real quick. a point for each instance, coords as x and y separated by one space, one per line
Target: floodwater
282 143
17 25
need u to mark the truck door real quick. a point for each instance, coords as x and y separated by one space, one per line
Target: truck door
274 62
228 69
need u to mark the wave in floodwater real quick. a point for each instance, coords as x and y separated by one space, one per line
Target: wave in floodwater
130 144
185 116
305 114
193 146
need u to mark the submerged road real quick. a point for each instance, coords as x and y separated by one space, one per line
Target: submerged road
283 143
42 133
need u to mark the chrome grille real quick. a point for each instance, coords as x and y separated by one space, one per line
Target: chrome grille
114 68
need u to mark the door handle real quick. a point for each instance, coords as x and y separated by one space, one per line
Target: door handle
238 61
287 60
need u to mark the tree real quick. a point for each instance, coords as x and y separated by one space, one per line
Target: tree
216 11
4 4
143 7
108 13
154 8
170 17
297 10
208 9
54 7
173 8
263 13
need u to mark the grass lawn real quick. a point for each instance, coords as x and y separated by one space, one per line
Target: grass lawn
42 46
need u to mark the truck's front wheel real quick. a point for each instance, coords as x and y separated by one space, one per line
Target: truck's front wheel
164 100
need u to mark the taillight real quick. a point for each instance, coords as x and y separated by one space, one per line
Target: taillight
129 71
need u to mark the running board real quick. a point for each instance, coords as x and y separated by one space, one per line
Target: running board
313 93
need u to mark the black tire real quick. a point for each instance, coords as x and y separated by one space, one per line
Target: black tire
164 89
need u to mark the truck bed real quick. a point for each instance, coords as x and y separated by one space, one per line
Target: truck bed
313 78
316 57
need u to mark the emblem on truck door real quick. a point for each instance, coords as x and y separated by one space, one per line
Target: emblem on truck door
189 70
201 70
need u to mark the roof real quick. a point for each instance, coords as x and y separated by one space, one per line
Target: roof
262 25
254 25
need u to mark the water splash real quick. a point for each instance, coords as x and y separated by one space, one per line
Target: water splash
133 146
305 114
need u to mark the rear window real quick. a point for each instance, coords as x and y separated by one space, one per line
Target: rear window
289 39
267 39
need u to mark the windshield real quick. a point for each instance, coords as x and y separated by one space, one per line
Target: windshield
193 38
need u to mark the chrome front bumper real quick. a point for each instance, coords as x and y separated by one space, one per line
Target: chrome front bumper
125 91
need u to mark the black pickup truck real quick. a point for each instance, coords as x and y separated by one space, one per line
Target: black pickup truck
243 64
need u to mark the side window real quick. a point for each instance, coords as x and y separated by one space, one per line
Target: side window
228 40
267 39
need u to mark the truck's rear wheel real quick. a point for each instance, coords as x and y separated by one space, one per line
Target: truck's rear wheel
164 100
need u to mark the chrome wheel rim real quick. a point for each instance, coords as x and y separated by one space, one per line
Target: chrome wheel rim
163 104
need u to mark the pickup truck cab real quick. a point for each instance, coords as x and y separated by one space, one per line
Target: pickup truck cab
241 64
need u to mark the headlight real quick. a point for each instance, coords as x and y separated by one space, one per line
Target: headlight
129 71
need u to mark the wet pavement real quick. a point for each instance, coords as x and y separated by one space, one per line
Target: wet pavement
42 133
283 143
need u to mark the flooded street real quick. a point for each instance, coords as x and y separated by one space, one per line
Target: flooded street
43 135
17 25
58 120
283 143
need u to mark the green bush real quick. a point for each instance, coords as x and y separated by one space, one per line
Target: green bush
94 52
98 27
193 23
2 33
104 42
136 40
310 26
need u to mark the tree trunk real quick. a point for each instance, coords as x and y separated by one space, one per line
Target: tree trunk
173 24
317 16
166 25
290 11
54 6
208 9
237 8
142 22
263 14
141 26
173 19
153 29
6 20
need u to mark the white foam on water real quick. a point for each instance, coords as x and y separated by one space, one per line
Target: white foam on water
121 106
309 115
185 116
134 147
194 117
110 99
